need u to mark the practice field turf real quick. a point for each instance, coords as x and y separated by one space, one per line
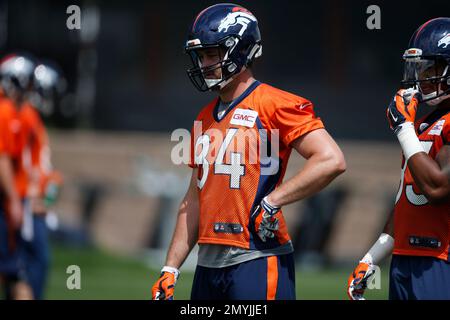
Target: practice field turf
106 276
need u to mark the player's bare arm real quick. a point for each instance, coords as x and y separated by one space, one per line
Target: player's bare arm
389 226
432 176
186 228
325 161
183 240
7 184
6 176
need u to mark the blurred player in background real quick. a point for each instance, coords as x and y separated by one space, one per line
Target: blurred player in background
44 182
16 73
418 231
233 206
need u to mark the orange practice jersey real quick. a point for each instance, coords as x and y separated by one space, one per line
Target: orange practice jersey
421 228
237 168
13 142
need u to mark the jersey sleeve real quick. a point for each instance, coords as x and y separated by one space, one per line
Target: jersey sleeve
294 120
4 138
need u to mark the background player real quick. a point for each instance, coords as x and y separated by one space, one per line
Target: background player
44 181
419 230
16 74
232 206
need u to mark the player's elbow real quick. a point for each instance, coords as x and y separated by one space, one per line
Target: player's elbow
436 191
341 165
332 162
337 163
436 188
437 195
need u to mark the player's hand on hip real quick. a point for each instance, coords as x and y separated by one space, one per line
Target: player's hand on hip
403 108
163 289
358 280
264 220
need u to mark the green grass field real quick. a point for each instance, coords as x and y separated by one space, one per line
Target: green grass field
107 276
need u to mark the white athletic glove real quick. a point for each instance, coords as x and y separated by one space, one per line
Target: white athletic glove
264 221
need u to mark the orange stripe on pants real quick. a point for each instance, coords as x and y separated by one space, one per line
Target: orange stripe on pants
272 277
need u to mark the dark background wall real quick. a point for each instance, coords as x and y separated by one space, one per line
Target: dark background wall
133 70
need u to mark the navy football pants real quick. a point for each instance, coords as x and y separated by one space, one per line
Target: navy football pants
10 262
419 278
266 278
36 255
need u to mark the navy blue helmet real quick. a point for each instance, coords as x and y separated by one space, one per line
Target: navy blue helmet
427 61
231 30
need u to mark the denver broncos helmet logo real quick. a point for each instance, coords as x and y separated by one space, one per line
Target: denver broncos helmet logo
235 18
444 41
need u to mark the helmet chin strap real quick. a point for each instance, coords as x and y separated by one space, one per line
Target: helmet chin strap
212 83
435 101
223 84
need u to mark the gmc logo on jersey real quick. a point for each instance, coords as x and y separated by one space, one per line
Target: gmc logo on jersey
244 117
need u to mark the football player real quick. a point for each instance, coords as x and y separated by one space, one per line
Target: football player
44 182
232 207
16 73
418 231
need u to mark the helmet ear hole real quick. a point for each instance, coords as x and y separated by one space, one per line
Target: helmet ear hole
255 52
259 52
231 67
229 42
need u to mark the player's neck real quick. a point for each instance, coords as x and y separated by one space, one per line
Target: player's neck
19 103
236 87
445 104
